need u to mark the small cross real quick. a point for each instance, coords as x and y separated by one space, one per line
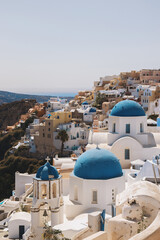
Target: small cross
47 159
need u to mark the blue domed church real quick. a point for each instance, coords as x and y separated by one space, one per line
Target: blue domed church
127 136
47 204
96 180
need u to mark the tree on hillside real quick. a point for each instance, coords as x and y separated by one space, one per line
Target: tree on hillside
100 98
63 136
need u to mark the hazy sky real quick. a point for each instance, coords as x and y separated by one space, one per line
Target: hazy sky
65 45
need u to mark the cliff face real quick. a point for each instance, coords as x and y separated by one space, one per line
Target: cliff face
16 162
10 112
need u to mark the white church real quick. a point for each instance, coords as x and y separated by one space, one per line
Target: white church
127 135
93 185
96 180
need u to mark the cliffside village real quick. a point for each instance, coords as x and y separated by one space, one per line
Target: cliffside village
89 110
104 181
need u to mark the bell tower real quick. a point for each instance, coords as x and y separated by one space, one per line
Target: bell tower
47 202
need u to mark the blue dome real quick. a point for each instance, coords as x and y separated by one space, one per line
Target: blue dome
92 109
97 164
85 103
45 171
127 108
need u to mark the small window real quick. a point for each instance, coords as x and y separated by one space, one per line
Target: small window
43 135
141 127
127 154
49 129
57 117
94 197
54 190
127 128
75 193
114 128
49 123
43 191
49 135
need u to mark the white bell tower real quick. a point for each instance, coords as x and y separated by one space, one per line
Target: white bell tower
47 199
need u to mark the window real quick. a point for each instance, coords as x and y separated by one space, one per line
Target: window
75 193
43 135
127 128
94 196
54 190
43 191
77 135
127 154
141 127
57 117
49 129
114 128
49 135
49 123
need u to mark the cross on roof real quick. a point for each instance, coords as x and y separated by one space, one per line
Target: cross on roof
47 159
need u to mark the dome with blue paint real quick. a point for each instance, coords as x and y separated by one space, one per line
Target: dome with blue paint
97 164
92 110
127 108
85 103
47 172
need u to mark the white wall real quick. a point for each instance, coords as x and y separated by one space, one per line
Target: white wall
20 180
103 187
88 118
136 151
122 121
13 227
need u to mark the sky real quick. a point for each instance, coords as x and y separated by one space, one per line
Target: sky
49 46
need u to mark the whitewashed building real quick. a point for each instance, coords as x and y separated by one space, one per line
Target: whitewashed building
18 224
127 135
96 180
77 133
47 204
55 104
89 114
